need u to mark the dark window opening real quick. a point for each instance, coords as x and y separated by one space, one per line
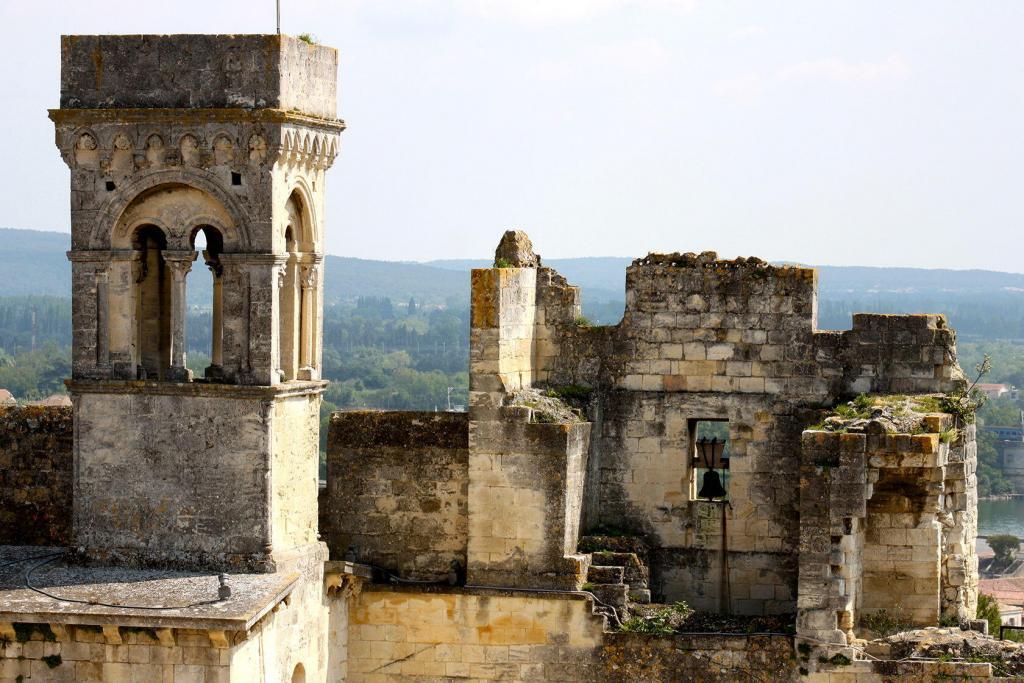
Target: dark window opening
110 186
709 451
236 178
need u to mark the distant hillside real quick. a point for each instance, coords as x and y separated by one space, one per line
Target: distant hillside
980 303
34 262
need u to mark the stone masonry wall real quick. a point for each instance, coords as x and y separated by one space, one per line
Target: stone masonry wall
525 502
407 634
152 474
200 71
35 475
701 338
84 655
397 485
879 532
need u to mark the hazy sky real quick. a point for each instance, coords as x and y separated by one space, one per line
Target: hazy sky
866 132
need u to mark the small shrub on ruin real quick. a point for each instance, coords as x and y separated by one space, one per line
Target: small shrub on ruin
664 620
885 623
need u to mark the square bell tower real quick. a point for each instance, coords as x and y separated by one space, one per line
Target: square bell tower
188 151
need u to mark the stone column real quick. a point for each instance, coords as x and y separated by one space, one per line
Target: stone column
102 319
308 323
216 369
179 263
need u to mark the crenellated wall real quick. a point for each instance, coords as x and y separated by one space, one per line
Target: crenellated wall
701 339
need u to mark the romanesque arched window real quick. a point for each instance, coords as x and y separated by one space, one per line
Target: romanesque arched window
152 303
298 293
210 244
290 306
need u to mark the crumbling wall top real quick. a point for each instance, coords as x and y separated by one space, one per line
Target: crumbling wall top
198 72
708 260
516 251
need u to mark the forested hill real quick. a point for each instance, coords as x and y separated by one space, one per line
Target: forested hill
980 303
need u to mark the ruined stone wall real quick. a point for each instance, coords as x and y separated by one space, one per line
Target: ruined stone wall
397 486
708 339
526 479
35 475
407 634
889 354
707 658
879 531
525 502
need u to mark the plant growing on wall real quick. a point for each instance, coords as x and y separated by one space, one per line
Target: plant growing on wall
963 404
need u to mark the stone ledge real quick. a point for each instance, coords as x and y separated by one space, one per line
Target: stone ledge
202 389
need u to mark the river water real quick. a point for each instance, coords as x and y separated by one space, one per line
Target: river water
1001 517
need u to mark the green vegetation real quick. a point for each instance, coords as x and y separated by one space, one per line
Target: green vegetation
885 623
502 263
988 609
308 38
583 321
52 661
664 620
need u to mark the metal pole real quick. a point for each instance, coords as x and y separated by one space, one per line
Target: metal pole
278 17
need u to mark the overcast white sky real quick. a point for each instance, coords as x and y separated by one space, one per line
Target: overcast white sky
852 133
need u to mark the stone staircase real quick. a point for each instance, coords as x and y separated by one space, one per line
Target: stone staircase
618 574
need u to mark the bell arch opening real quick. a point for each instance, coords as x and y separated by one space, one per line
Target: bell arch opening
298 291
152 303
209 242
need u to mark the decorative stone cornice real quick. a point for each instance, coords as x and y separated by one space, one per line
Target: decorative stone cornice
85 117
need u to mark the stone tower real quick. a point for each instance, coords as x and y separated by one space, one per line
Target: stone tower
186 151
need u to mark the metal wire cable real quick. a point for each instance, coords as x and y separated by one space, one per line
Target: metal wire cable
97 603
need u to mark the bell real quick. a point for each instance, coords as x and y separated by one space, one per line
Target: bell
712 487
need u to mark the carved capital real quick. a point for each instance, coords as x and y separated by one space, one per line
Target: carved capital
180 262
310 275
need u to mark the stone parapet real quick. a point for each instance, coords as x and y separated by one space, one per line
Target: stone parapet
35 475
396 494
198 71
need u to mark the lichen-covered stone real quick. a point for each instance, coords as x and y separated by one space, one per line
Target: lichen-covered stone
516 251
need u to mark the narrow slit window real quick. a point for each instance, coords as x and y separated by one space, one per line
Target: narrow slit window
709 452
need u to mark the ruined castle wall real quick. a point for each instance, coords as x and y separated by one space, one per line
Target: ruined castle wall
397 486
502 343
889 354
714 658
881 531
407 634
35 475
960 525
525 501
152 476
